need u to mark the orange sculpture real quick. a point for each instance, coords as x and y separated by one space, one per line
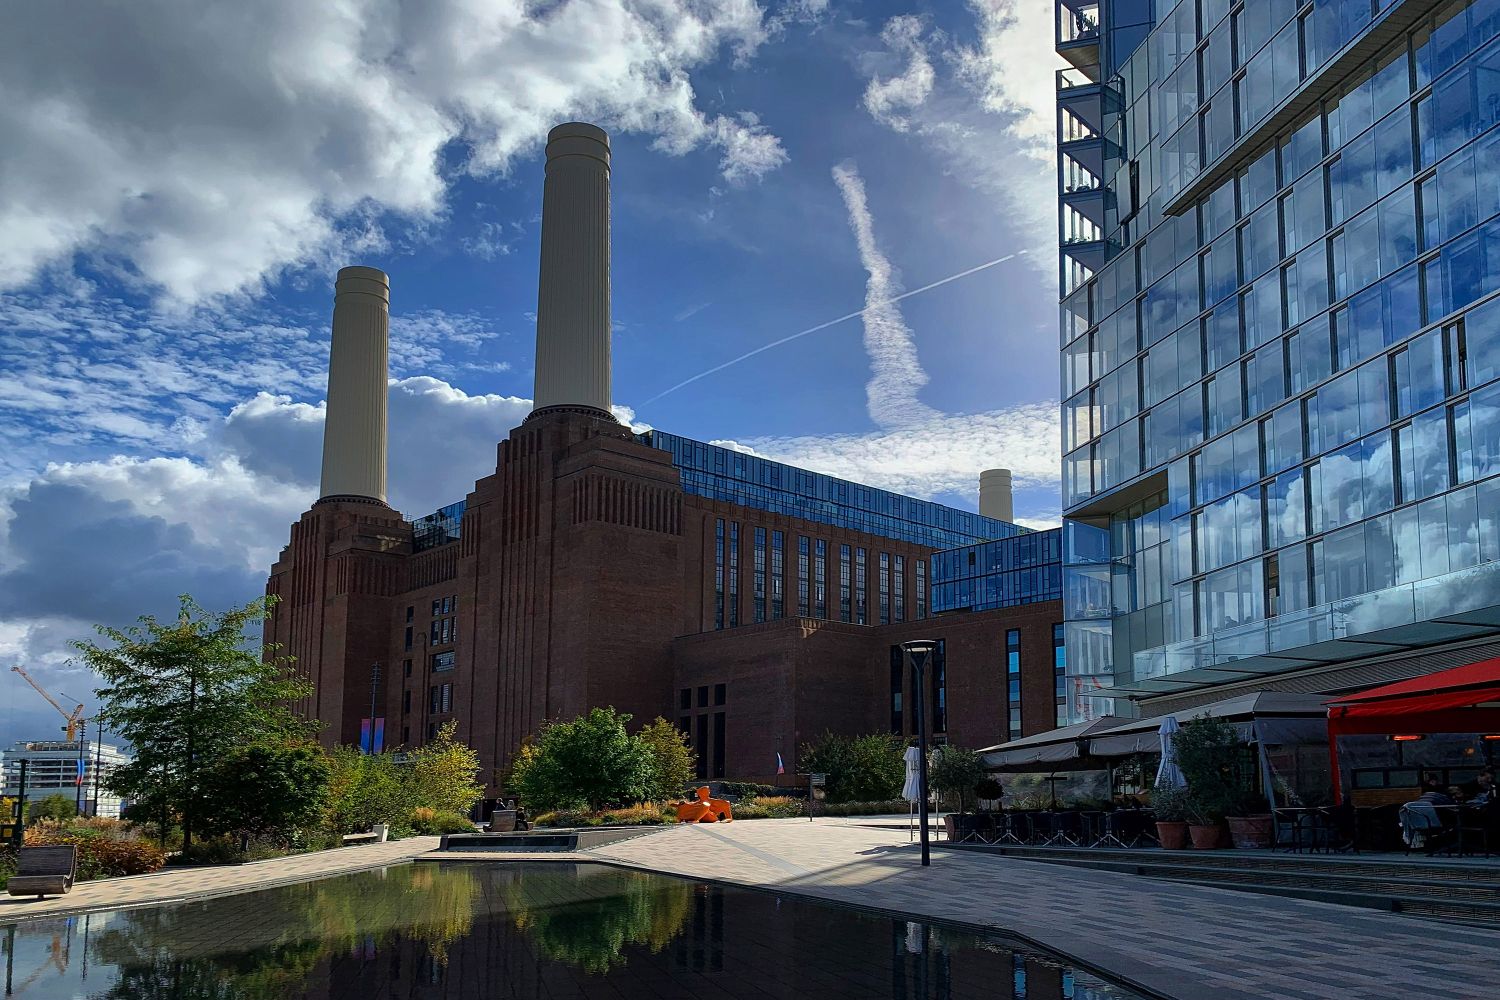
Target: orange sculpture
705 810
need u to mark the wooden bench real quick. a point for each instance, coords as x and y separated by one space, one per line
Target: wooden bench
42 871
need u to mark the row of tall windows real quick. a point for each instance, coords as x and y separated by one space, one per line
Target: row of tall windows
1013 682
718 573
778 582
803 604
1060 673
734 574
820 578
885 588
759 569
846 608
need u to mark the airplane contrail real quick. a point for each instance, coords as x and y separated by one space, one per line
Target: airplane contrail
833 322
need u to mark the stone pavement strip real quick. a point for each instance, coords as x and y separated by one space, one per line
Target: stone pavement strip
219 880
1184 941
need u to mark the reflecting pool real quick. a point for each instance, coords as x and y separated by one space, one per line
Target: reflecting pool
491 931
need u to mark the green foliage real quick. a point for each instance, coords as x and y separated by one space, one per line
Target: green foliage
104 851
184 695
749 789
954 772
429 822
672 760
859 768
769 807
267 790
881 808
989 789
1209 753
364 789
645 814
443 774
1169 804
52 807
591 761
588 922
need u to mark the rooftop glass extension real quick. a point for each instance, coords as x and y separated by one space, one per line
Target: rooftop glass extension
725 474
438 528
1004 573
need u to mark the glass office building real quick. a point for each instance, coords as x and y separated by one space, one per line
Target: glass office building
1279 243
1005 573
725 474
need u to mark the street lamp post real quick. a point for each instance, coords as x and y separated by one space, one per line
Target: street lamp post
918 651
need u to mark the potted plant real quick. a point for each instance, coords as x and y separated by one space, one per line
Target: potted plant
1205 819
1169 806
954 772
1210 753
1250 825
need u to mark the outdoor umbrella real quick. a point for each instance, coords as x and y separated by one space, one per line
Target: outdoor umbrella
1169 775
911 791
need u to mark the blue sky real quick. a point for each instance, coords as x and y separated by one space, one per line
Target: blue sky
179 181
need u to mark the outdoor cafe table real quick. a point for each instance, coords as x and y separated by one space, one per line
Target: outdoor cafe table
1460 812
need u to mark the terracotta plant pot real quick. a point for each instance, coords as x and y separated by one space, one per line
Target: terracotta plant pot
1250 832
1173 835
1206 838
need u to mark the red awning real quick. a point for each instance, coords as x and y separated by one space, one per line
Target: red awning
1469 686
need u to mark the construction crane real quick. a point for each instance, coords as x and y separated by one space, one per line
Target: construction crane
75 718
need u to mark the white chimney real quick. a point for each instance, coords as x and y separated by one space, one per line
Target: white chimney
354 443
572 310
994 494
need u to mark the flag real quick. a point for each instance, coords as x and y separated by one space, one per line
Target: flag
780 767
79 780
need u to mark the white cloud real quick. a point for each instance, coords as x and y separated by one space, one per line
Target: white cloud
204 148
888 101
944 454
896 374
989 118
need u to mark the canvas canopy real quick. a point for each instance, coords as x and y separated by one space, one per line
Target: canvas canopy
1260 716
1057 750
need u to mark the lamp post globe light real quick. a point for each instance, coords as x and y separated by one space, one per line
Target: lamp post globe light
919 651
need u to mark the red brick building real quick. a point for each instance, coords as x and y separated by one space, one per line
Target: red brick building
753 603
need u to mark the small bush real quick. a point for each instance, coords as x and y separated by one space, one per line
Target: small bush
430 822
769 807
864 808
747 789
99 856
212 851
7 865
647 814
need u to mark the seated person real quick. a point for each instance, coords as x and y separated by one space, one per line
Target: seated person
1484 785
1432 792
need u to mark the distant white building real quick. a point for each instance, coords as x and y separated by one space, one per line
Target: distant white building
52 768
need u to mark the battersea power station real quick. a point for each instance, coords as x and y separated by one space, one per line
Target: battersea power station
753 604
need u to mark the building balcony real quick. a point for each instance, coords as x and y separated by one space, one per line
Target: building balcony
1405 618
1078 31
1078 78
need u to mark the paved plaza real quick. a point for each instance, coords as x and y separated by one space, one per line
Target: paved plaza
1182 941
196 883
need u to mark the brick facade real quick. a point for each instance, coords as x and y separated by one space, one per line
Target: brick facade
585 576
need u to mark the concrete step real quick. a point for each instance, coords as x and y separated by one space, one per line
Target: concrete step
1428 889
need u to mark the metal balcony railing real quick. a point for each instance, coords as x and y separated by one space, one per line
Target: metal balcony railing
1077 23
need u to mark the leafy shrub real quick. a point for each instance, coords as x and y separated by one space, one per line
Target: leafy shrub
672 760
860 768
589 762
748 789
212 851
1169 804
99 856
429 822
955 772
7 865
769 807
646 814
881 808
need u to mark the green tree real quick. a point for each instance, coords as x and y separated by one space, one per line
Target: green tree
365 789
591 761
443 774
185 694
859 768
52 807
267 790
673 761
1220 773
955 772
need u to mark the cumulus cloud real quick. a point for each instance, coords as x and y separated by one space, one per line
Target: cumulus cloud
203 148
889 100
942 455
988 114
896 374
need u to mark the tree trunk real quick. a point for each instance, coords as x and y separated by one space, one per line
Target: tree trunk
188 804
